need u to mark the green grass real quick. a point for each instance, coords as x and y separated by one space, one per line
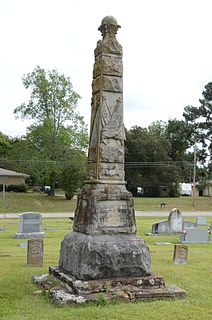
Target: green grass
16 288
22 202
182 203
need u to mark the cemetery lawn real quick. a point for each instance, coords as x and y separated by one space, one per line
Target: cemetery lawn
36 202
18 301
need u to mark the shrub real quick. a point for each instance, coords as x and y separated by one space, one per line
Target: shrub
17 188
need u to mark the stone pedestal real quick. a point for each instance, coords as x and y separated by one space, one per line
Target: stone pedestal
105 209
89 257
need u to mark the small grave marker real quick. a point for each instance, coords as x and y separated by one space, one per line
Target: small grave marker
180 254
201 221
3 228
22 244
35 252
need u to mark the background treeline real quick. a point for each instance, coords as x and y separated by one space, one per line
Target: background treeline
53 151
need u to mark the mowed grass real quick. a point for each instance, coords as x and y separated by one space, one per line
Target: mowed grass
182 203
36 202
17 300
23 202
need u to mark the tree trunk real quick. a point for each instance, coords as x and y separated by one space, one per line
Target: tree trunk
53 179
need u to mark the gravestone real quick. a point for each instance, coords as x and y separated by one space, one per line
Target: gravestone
180 254
35 252
195 235
174 224
30 226
104 244
3 228
201 221
22 244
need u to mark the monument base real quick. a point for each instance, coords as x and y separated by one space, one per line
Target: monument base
104 256
30 235
73 291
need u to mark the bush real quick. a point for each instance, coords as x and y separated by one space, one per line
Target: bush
17 188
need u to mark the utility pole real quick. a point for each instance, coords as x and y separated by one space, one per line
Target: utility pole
194 173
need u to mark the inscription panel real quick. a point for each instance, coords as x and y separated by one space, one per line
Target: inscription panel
112 213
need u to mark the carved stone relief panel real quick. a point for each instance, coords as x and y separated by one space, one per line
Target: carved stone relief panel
110 46
107 83
108 65
109 171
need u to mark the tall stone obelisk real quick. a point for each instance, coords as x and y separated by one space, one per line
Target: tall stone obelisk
104 243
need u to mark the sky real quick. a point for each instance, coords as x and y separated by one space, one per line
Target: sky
167 53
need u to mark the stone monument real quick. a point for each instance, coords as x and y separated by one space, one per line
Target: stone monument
104 223
104 244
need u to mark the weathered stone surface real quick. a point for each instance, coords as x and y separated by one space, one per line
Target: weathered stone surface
60 296
35 252
72 291
100 285
108 65
104 256
38 279
180 254
104 208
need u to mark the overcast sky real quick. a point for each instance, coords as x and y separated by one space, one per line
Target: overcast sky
167 46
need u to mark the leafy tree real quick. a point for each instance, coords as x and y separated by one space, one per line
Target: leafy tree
58 127
5 145
148 161
201 120
180 136
73 174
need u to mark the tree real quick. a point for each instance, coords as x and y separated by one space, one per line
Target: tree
180 136
5 145
201 120
73 174
58 127
148 163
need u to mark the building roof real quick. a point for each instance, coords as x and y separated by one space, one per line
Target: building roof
10 173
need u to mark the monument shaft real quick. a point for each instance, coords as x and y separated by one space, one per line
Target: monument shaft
104 242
